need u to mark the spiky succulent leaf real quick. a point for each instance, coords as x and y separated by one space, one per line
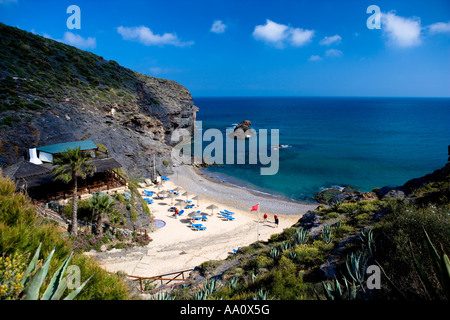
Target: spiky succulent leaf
32 266
75 292
32 288
56 280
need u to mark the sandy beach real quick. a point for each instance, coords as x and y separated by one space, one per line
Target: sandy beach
177 246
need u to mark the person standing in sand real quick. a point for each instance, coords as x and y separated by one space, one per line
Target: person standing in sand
176 212
265 217
276 220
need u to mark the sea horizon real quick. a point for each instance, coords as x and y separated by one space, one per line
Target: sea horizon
350 144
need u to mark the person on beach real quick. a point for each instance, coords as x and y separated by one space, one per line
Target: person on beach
276 220
265 217
176 212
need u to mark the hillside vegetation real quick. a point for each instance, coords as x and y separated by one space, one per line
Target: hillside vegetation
327 254
51 92
22 230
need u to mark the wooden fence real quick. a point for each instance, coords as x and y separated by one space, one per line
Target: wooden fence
169 277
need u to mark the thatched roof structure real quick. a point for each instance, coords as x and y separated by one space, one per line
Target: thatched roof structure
28 175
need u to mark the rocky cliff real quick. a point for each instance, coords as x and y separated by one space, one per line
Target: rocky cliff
51 93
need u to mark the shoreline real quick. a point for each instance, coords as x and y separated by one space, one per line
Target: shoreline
177 246
190 177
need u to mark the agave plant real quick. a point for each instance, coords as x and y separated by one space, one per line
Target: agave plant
163 296
441 266
356 267
285 245
326 233
209 287
334 291
261 295
367 239
300 236
35 275
292 255
274 253
233 283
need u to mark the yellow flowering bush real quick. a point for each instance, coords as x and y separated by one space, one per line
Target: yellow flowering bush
12 269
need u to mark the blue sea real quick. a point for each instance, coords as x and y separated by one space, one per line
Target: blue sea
360 142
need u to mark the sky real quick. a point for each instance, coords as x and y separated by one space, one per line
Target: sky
258 47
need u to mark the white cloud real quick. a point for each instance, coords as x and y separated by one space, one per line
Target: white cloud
300 37
401 32
278 34
74 40
439 27
314 58
327 41
218 27
271 32
78 41
145 36
334 53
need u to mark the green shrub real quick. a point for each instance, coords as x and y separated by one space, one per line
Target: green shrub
330 215
307 255
343 229
263 261
9 121
399 231
22 230
348 207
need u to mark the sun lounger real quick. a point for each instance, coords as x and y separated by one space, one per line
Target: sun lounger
204 218
229 212
229 218
189 206
193 225
236 250
197 218
197 226
179 213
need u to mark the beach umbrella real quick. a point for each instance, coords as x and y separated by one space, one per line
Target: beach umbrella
187 193
177 189
180 202
195 214
196 198
163 193
212 207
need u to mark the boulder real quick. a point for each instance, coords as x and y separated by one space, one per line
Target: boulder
244 126
347 194
241 130
309 220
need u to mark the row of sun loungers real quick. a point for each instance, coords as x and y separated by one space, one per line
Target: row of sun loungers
197 226
227 215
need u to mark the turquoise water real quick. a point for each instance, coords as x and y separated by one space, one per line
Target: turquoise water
362 142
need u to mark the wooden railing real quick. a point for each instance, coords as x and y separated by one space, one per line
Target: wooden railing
164 277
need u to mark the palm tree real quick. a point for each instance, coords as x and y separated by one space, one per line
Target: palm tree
70 165
102 205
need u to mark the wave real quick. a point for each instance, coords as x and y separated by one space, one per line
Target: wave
340 188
